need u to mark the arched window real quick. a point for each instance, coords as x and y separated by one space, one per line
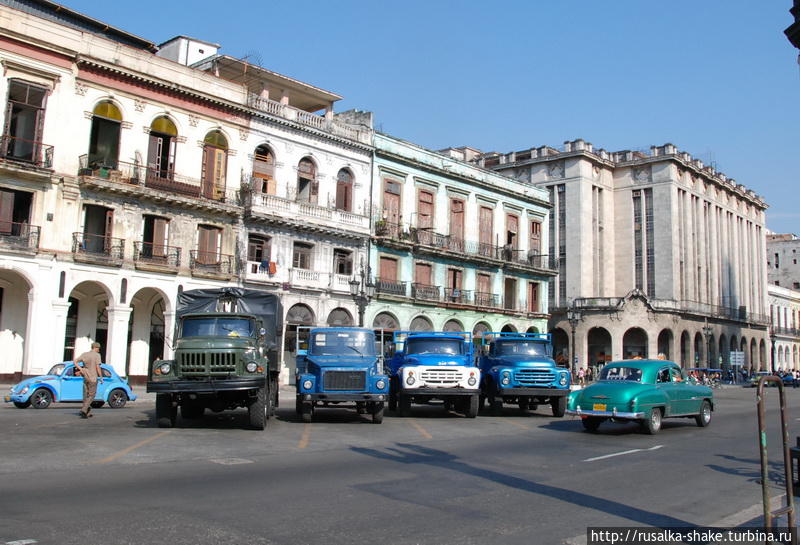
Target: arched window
104 138
264 171
420 323
215 163
307 184
344 190
161 150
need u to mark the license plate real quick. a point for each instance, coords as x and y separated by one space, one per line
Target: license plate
599 407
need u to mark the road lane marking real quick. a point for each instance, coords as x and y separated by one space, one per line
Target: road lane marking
421 430
52 424
517 424
134 447
622 453
306 434
22 542
230 461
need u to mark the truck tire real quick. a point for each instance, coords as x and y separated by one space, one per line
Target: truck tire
404 405
361 407
166 412
307 411
258 409
298 405
273 390
377 412
559 406
471 406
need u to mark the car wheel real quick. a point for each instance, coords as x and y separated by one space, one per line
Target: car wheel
471 406
377 412
559 406
704 418
22 404
41 398
307 411
117 398
166 412
258 409
653 423
591 423
404 404
97 404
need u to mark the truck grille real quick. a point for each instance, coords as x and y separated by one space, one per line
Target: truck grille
207 363
345 380
441 376
535 377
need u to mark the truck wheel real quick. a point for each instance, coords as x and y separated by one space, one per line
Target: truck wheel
471 406
273 390
191 410
377 412
559 406
404 404
307 411
298 405
496 404
166 412
258 409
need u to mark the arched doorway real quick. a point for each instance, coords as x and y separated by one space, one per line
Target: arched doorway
665 343
307 189
87 320
762 353
532 329
685 349
344 190
340 317
755 362
161 151
452 325
509 328
297 316
634 343
14 310
264 171
561 347
420 323
215 165
699 353
599 341
146 331
723 357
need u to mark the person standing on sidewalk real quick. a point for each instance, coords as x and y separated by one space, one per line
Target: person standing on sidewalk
91 373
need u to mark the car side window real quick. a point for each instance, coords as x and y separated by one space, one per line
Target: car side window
69 372
677 376
663 375
106 373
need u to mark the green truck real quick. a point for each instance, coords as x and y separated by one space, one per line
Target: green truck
226 356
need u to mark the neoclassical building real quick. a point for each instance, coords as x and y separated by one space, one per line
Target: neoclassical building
131 171
656 251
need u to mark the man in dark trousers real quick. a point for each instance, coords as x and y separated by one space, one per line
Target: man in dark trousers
91 373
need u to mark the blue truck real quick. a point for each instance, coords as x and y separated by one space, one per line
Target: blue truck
434 366
340 365
518 368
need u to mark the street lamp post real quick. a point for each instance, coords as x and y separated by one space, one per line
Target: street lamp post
362 290
707 333
772 338
573 317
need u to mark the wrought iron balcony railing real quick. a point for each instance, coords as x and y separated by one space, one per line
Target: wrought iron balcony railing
21 236
391 287
99 248
13 148
211 262
425 292
156 254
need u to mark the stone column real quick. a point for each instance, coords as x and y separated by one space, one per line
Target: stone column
44 354
117 349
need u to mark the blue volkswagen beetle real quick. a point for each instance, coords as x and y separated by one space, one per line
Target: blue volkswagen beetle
60 384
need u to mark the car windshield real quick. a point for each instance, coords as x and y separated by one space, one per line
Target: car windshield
339 343
56 370
434 346
520 348
631 374
218 327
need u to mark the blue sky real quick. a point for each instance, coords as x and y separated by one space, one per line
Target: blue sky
717 78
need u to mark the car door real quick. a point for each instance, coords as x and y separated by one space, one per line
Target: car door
71 386
667 387
685 402
105 386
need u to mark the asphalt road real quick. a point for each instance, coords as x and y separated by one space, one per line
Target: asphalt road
432 478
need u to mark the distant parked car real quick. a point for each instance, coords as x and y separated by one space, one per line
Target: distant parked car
61 385
644 391
758 375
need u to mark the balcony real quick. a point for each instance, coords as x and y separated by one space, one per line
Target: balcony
211 265
391 288
458 296
26 152
134 174
487 300
425 292
20 237
262 204
156 257
98 249
302 278
308 119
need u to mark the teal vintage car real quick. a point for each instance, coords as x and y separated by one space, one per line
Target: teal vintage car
646 391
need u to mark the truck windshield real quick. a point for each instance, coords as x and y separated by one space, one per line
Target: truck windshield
342 343
434 346
520 348
218 327
621 373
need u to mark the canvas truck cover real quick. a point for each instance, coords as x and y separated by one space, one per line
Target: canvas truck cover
264 305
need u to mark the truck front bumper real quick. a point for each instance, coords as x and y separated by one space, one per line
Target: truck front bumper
532 392
308 396
435 392
208 386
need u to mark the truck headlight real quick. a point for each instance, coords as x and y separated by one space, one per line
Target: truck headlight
410 380
471 381
251 367
307 384
165 368
381 384
563 380
506 381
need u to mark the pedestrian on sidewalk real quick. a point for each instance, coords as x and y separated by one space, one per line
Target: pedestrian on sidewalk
581 377
91 373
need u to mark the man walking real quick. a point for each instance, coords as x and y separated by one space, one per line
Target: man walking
91 373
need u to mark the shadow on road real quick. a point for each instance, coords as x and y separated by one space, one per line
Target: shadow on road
750 469
417 454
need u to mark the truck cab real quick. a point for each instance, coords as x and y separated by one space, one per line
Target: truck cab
340 365
518 368
434 366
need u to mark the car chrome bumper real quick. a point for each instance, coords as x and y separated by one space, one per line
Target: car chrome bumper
614 413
